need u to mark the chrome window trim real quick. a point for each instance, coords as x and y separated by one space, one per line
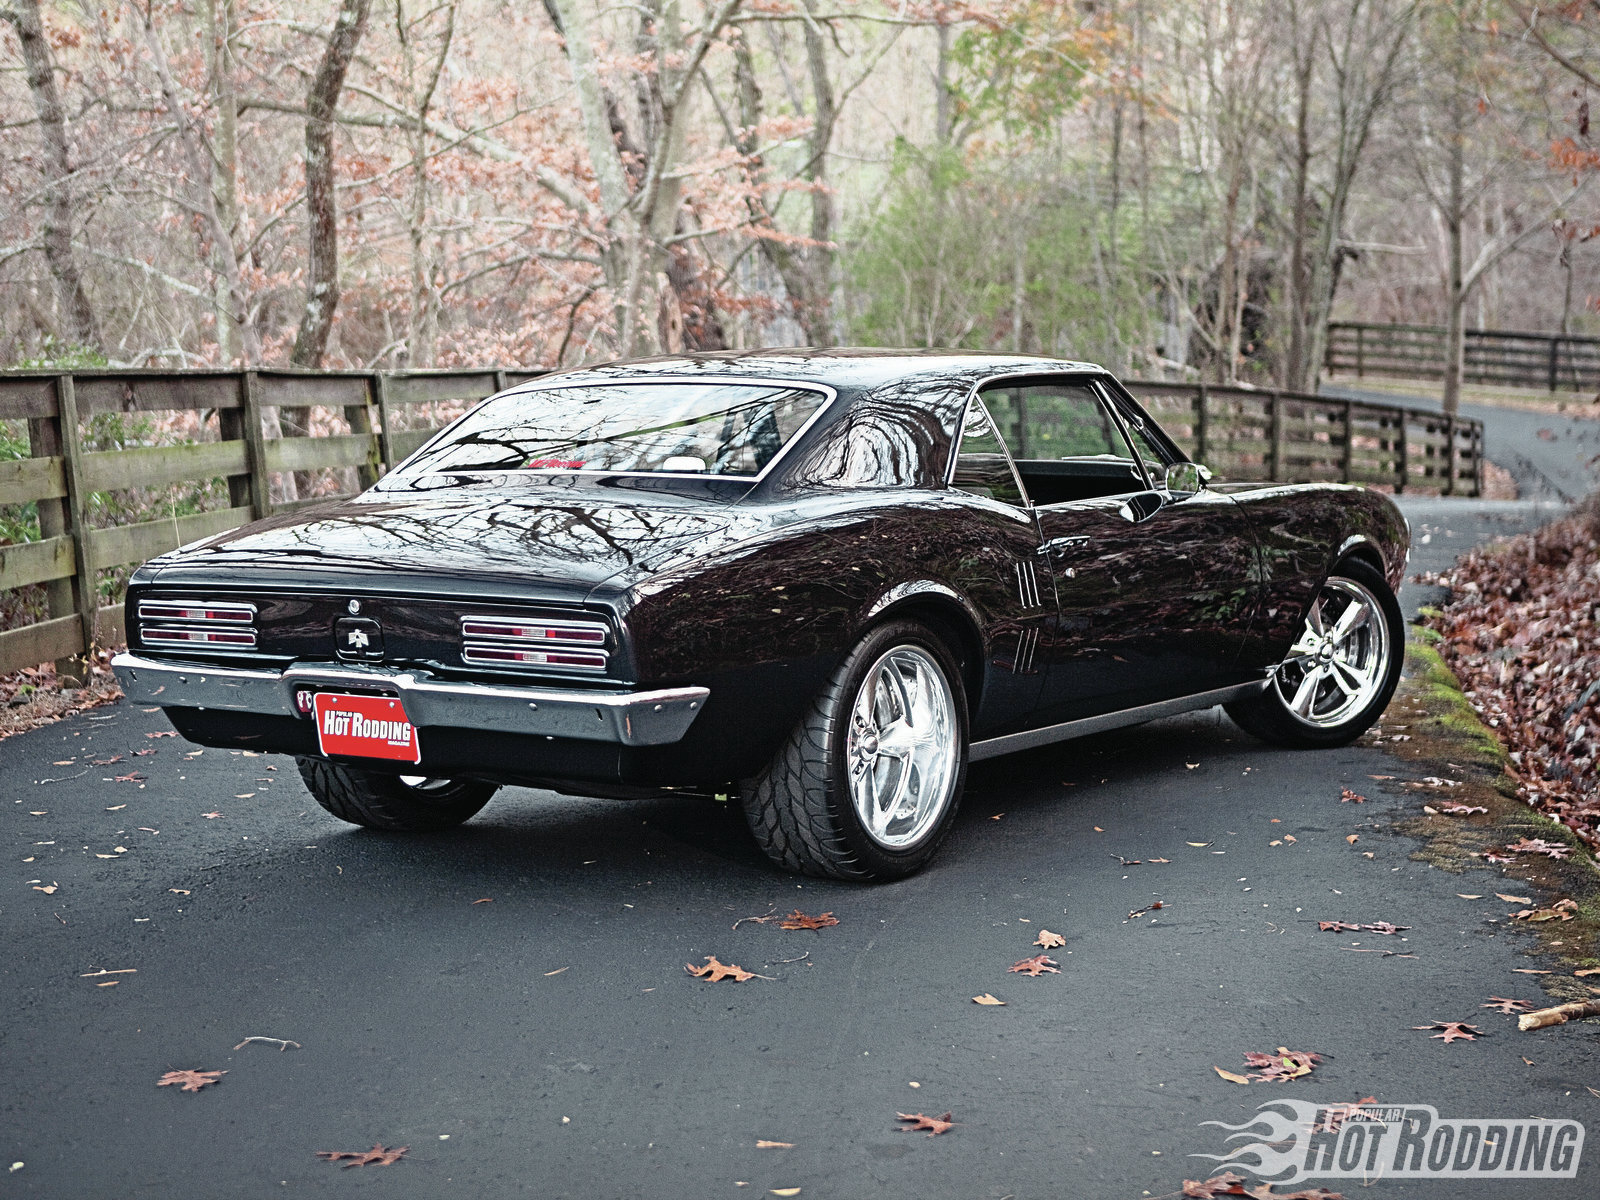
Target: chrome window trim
961 433
827 391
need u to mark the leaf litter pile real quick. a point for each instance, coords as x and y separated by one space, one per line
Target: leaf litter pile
1522 632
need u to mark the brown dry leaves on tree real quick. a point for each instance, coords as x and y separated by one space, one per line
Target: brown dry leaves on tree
1454 1031
934 1125
1522 632
1039 964
716 971
189 1081
799 920
376 1157
1229 1184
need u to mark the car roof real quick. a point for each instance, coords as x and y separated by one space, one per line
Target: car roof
841 367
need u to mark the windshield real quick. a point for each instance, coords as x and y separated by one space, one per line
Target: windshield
679 428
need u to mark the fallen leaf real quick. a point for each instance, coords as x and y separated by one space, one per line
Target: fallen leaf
1039 964
485 900
1158 860
1139 912
1282 1066
1230 1076
1290 838
244 795
785 1191
1469 896
1454 1031
1336 927
1586 972
1463 810
1511 899
1346 796
988 1001
1201 845
1335 1115
1540 846
376 1157
116 808
763 1144
131 777
1528 971
1229 1184
211 816
715 971
1502 1004
48 889
1561 910
1048 940
1097 829
557 971
1353 838
190 1081
934 1125
799 920
180 891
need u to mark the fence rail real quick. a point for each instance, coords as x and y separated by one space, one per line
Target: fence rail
1553 362
1242 433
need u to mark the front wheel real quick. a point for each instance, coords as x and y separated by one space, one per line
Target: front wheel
399 803
867 785
1341 671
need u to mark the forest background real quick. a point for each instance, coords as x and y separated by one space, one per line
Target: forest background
1172 188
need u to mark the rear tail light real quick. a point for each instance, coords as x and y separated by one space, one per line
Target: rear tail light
535 643
195 623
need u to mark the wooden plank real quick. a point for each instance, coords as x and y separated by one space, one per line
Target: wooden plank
26 396
443 385
137 543
255 445
386 418
179 390
406 441
46 641
310 453
157 466
286 389
111 626
25 479
36 562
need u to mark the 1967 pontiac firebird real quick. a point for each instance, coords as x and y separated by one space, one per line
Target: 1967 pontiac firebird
822 581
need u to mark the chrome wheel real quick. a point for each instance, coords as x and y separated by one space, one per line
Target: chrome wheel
1340 662
903 747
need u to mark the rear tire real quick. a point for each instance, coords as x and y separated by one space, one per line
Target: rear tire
1342 670
379 801
868 784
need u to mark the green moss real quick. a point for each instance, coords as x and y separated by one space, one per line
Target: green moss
1428 637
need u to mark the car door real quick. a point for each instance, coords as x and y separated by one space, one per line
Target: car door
1154 591
1002 574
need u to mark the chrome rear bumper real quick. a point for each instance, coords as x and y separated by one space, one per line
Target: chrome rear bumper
629 718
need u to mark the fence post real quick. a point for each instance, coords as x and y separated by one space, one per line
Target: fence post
1402 458
84 591
1348 466
1202 427
1275 464
1361 351
44 441
1477 459
360 418
1452 457
499 379
1555 361
380 385
255 450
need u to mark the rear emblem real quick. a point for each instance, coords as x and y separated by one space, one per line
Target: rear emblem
359 638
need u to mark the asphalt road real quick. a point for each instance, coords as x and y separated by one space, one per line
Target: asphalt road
509 999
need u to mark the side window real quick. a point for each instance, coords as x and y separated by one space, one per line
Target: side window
982 465
1154 462
1055 420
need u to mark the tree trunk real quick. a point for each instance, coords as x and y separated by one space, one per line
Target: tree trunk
322 100
1455 293
76 313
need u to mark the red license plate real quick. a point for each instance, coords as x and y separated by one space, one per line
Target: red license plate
366 727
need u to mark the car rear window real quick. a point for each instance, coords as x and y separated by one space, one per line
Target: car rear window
733 429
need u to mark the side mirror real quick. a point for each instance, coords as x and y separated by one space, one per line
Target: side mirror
1185 479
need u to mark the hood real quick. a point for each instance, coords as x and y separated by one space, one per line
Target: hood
559 541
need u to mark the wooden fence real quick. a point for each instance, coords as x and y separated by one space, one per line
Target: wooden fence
1241 433
1552 362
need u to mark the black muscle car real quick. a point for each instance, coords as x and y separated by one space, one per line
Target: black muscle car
822 582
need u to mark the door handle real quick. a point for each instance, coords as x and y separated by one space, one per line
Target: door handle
1062 544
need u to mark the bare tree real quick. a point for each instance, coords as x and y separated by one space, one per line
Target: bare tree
60 221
